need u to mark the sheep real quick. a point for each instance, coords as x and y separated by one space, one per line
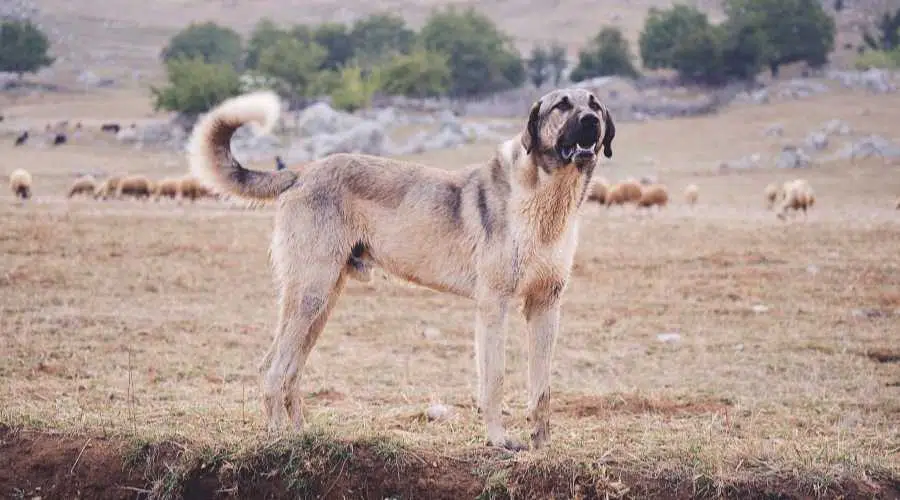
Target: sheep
108 188
798 195
622 193
22 138
110 127
135 185
598 190
168 187
691 194
83 185
191 188
654 195
60 138
772 193
20 183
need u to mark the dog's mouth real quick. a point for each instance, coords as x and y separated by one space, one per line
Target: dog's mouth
580 144
577 152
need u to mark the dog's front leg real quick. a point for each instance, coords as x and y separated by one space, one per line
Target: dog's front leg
542 317
490 351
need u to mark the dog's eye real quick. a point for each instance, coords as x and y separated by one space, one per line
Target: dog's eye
563 104
593 104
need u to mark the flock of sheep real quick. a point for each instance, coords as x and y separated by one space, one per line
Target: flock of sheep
138 187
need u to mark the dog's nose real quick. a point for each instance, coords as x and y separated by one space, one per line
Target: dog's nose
590 120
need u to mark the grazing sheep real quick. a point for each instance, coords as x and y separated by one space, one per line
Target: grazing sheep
623 193
20 183
192 189
691 194
168 187
137 186
60 138
22 138
110 127
83 185
598 190
654 195
108 188
798 195
772 193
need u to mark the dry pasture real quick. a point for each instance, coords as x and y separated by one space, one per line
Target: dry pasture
131 334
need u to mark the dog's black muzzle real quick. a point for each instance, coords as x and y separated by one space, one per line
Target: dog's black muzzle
581 140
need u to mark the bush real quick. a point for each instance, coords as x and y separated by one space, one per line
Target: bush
294 63
354 89
878 59
743 50
208 41
264 35
419 74
887 35
480 57
335 38
794 30
662 31
195 86
607 54
23 47
697 56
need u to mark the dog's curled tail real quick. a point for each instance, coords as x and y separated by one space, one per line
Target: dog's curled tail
209 148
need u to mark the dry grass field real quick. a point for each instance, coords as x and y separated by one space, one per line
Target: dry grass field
130 336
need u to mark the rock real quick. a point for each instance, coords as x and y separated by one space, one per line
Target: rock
774 130
874 80
760 308
431 333
750 161
364 137
817 141
867 313
320 118
812 269
668 338
792 157
127 135
836 127
870 146
437 411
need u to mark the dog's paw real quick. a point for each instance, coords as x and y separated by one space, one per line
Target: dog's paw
509 444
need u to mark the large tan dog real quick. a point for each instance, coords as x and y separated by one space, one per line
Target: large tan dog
508 230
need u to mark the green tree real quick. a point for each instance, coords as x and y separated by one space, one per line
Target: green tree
697 56
418 74
794 30
743 50
294 63
380 36
264 35
335 38
209 41
558 61
887 35
195 86
23 47
354 89
481 58
663 29
539 65
607 54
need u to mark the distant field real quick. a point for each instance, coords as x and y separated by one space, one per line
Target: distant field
132 332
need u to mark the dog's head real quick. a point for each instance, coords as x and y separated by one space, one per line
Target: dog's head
568 126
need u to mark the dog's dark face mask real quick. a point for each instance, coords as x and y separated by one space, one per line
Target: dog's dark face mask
568 127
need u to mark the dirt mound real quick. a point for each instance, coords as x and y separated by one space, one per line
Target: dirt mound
596 406
51 465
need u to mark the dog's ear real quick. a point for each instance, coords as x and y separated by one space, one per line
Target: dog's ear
609 133
531 138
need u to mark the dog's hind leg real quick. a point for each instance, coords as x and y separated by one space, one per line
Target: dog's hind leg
542 317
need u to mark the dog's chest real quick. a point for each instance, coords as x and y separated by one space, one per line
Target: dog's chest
534 264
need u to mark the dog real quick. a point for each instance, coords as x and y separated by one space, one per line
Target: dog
508 227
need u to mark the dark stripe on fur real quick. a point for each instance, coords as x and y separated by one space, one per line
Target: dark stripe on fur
241 181
483 212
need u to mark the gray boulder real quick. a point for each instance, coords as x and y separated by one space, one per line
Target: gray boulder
792 157
870 146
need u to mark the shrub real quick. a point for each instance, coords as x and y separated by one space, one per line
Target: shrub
208 41
607 54
23 47
419 74
195 86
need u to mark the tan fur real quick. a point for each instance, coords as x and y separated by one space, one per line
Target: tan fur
507 231
798 195
83 185
20 183
109 188
190 188
136 186
691 194
168 188
623 193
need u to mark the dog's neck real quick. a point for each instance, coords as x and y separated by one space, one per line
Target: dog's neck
550 200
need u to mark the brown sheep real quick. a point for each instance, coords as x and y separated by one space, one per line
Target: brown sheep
109 188
623 193
191 188
598 190
83 185
691 194
137 186
798 195
20 183
654 195
168 187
